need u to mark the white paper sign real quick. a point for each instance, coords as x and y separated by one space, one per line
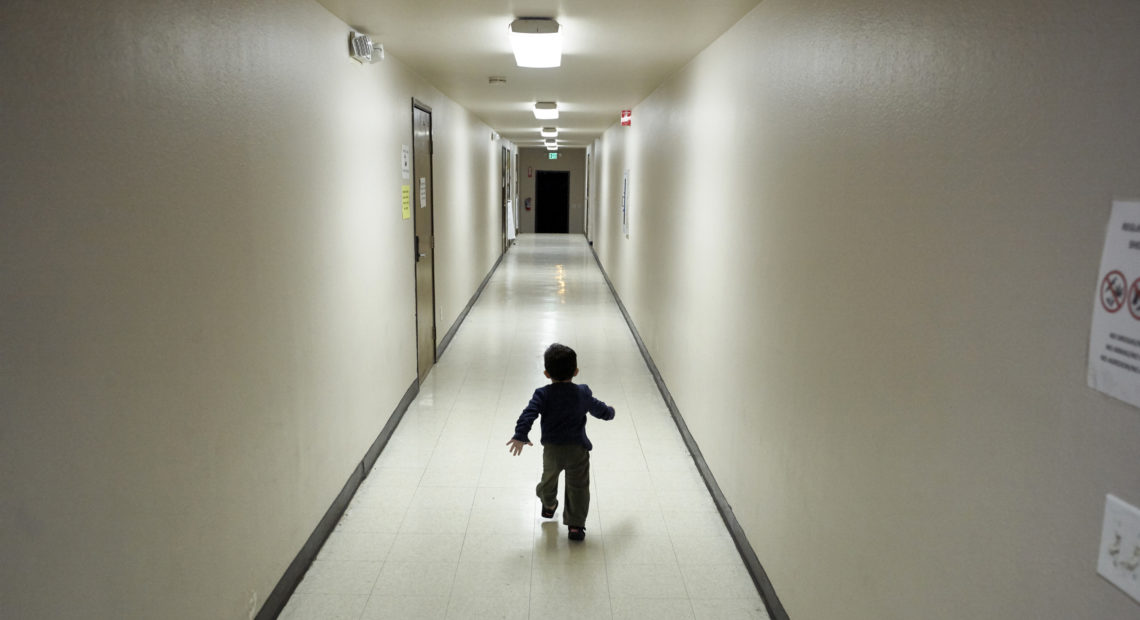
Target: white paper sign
406 161
1114 344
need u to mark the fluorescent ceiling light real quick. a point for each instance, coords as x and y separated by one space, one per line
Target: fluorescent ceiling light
551 148
549 132
551 143
546 110
536 42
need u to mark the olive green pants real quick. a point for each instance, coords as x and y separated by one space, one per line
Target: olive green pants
574 459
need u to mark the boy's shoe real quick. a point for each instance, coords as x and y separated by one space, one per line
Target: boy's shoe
548 513
577 533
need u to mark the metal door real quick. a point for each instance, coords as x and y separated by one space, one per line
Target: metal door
506 182
586 209
424 237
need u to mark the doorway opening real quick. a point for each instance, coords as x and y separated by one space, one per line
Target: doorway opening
552 202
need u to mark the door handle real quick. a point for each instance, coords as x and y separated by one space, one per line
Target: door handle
416 250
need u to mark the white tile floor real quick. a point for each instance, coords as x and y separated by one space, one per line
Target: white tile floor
447 524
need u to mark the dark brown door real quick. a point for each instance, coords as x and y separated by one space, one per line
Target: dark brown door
586 203
424 238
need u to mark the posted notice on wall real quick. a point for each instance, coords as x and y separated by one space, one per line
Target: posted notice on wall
1114 344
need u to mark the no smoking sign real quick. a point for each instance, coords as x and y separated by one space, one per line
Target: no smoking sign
1134 300
1112 291
1113 297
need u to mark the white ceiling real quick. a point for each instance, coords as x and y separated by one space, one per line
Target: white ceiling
615 52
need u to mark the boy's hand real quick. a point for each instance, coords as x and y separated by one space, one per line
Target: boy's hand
516 446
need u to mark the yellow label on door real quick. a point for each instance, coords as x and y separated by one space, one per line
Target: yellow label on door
406 200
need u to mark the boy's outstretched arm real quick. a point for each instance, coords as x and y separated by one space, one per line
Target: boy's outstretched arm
526 420
516 446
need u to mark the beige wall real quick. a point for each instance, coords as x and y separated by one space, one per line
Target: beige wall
864 250
570 160
468 206
207 291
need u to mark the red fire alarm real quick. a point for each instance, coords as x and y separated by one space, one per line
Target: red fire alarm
626 118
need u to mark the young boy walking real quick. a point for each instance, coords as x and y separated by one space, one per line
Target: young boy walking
563 406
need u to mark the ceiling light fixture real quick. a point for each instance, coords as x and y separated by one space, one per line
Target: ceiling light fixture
546 110
536 42
549 132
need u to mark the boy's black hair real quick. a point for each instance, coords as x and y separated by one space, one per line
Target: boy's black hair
561 362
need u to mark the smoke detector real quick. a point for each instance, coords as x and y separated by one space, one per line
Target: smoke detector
497 80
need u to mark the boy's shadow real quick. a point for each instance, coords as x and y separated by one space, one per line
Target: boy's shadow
551 533
552 543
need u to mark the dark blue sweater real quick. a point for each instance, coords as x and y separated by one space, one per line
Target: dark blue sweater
563 407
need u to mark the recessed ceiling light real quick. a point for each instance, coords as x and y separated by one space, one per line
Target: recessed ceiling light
536 42
549 132
546 110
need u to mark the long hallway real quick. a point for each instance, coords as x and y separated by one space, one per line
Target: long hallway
447 524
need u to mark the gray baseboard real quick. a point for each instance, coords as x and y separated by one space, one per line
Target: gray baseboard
277 599
759 577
